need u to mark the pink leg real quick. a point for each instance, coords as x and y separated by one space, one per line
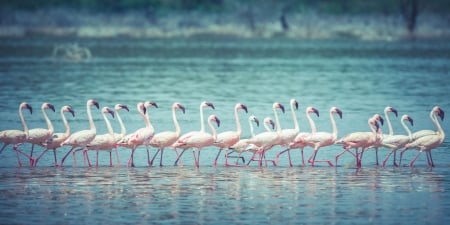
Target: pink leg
387 157
179 156
39 157
67 154
117 156
280 153
411 164
217 156
401 156
289 157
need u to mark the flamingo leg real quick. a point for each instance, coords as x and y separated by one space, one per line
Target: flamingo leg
387 157
153 158
37 159
280 153
65 156
3 147
289 157
179 157
96 161
411 164
117 156
16 148
54 156
161 157
86 157
431 159
217 156
401 156
376 156
110 159
346 150
31 155
131 160
395 155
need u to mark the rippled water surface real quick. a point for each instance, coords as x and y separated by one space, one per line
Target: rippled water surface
361 78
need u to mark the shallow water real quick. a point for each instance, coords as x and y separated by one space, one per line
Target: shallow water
360 78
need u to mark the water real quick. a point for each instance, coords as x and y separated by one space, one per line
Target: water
361 78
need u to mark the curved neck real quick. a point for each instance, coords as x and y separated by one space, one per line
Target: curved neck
202 125
238 123
108 124
406 129
277 120
66 124
25 127
175 122
311 123
391 131
437 124
91 121
294 118
123 130
252 130
372 128
333 125
213 130
147 119
47 120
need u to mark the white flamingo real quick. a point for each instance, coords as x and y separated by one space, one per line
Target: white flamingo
103 142
203 105
428 142
395 142
361 140
298 142
199 140
37 136
16 137
229 138
82 138
143 135
242 145
322 139
167 138
435 111
391 131
123 130
56 139
266 140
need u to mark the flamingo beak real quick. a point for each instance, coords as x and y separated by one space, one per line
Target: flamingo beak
394 111
182 108
71 111
244 108
339 112
111 112
441 113
217 121
96 104
51 106
124 107
316 111
29 108
296 105
256 121
273 124
279 105
381 120
411 121
209 104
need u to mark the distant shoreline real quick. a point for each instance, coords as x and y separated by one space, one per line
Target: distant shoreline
136 24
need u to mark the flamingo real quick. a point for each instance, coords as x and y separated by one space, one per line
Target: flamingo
266 140
123 130
298 142
16 137
84 137
391 131
435 111
362 140
56 139
395 142
167 138
104 142
242 145
203 105
322 139
229 138
143 135
428 142
199 139
38 136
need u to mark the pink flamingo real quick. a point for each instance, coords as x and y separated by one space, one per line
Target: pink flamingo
242 145
361 140
229 138
123 130
199 140
323 139
38 136
56 139
435 111
428 142
16 137
84 137
298 142
103 142
167 138
391 131
395 142
143 135
203 105
266 140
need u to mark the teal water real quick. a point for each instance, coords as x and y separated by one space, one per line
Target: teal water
361 78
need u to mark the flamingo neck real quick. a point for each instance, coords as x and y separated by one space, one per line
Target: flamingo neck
333 125
108 125
148 124
202 125
47 120
311 123
25 127
213 130
66 124
294 118
91 121
123 130
252 130
374 131
391 131
238 123
438 126
277 120
408 131
175 122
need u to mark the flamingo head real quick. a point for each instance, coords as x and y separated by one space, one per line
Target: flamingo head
294 104
269 121
374 122
141 108
118 107
47 105
242 106
409 119
207 104
214 118
68 108
378 118
25 105
337 111
391 109
149 104
278 105
254 119
108 110
179 106
437 110
311 109
92 102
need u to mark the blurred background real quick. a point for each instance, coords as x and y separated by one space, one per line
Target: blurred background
296 19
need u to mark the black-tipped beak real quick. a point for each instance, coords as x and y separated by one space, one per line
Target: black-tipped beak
29 108
296 105
273 124
71 111
217 121
256 121
111 112
124 107
51 106
339 112
411 121
210 105
394 111
244 108
154 104
96 104
281 107
381 120
181 108
316 111
144 110
441 113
